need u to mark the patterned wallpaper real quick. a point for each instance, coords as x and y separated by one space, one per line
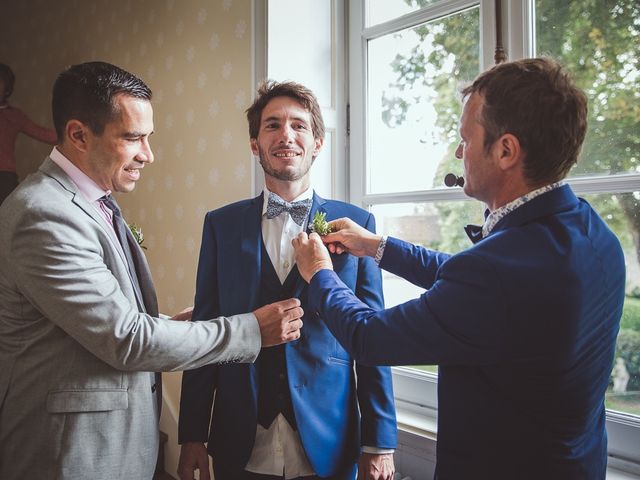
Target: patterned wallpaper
196 57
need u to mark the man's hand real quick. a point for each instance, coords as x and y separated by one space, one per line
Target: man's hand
193 456
183 315
350 237
311 255
280 322
372 466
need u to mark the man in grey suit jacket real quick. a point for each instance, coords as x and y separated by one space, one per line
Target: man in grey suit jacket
79 331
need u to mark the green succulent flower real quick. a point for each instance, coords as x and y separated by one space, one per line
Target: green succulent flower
319 224
137 234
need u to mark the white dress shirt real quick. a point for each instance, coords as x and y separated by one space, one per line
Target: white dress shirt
278 450
87 187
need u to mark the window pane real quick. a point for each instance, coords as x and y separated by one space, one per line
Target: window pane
413 104
598 43
292 60
622 214
438 226
378 11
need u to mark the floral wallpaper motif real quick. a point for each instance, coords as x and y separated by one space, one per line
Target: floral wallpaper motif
196 56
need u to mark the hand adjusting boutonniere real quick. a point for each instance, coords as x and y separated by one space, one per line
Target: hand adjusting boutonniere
319 224
137 234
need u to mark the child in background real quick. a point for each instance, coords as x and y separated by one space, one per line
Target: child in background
12 122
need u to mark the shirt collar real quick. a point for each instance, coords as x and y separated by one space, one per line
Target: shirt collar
87 187
498 214
303 196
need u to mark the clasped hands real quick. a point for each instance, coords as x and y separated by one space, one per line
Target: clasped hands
280 322
348 237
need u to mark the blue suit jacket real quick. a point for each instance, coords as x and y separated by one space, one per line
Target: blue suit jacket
322 381
523 326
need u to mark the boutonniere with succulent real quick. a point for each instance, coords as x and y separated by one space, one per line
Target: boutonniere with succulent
319 224
136 231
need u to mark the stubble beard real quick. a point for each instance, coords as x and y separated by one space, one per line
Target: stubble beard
283 175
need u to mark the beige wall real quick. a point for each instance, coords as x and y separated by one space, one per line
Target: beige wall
196 57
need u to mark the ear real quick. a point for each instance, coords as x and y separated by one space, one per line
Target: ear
76 134
318 146
254 146
507 151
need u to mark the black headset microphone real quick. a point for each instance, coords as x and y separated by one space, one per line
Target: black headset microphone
452 180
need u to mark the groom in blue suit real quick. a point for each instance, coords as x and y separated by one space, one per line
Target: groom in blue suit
305 410
523 324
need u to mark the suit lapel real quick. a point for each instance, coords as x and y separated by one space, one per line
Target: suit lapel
250 252
51 169
316 206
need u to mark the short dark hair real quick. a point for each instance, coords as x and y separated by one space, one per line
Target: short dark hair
536 101
86 92
8 77
269 89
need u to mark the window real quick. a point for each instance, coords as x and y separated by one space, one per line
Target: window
408 59
598 43
317 62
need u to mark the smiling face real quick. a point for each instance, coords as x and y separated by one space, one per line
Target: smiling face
285 144
115 158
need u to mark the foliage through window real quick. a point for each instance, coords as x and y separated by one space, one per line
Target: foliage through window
413 106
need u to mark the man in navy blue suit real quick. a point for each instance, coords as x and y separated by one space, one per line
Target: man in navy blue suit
523 324
302 411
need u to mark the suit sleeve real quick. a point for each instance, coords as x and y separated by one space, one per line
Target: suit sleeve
461 318
378 426
60 269
198 386
414 263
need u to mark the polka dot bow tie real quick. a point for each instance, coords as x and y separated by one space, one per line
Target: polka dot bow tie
298 210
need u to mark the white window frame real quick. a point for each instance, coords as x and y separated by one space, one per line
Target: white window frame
415 391
335 114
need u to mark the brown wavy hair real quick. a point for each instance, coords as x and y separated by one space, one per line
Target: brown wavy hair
270 89
536 101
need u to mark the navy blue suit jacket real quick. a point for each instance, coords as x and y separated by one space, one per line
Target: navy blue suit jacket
523 326
322 380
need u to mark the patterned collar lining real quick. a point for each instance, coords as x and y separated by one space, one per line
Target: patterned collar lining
494 217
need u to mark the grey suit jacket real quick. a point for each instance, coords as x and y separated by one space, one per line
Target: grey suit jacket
75 352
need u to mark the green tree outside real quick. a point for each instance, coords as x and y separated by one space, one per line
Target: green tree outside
598 41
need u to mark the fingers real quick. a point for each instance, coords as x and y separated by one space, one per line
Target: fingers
288 304
340 224
300 239
280 322
289 332
294 326
314 237
193 456
331 238
184 314
292 314
294 332
336 247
